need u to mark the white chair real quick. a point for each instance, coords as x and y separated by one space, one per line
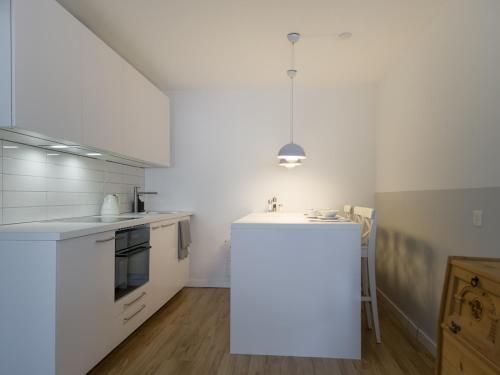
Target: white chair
368 220
348 211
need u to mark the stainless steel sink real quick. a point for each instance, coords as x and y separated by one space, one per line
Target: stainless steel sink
96 219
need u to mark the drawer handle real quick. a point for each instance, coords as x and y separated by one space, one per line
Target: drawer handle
167 225
125 320
106 240
135 300
474 281
454 327
155 228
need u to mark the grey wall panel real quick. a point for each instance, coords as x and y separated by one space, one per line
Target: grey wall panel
5 64
418 231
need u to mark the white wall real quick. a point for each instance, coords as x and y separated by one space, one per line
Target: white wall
224 163
36 184
438 156
439 112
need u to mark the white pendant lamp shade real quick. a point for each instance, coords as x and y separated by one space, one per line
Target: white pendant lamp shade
291 154
290 164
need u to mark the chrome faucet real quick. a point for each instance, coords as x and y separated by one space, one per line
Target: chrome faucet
137 194
273 205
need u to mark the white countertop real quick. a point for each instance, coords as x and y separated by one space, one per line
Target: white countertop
295 220
57 230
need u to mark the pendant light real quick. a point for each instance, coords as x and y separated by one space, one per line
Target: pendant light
291 154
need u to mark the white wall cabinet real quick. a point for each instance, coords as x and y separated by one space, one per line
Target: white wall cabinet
61 82
103 104
47 70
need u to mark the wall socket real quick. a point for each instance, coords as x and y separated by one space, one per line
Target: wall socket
477 218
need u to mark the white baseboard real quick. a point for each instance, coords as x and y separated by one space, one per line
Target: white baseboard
209 283
410 326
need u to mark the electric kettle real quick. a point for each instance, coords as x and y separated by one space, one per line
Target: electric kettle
110 205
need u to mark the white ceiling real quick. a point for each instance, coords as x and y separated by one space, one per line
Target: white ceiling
182 44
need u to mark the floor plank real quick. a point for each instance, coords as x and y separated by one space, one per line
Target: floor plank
190 336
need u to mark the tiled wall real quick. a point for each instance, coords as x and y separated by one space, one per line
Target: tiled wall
37 184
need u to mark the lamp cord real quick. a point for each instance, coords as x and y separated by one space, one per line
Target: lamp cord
292 93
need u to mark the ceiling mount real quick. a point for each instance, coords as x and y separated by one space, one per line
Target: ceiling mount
293 37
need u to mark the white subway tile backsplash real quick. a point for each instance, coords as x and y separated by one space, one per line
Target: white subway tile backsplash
24 198
24 167
23 183
75 161
114 178
19 151
80 186
59 212
24 214
73 173
63 198
35 186
90 210
91 198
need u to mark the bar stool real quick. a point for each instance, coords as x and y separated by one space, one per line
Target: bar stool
368 220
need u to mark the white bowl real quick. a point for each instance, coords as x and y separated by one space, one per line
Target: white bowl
330 214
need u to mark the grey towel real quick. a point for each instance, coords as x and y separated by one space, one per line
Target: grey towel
184 238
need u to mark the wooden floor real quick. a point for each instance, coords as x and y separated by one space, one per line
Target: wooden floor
190 335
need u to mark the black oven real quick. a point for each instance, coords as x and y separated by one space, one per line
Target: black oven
131 259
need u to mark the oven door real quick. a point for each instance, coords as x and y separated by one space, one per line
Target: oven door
131 269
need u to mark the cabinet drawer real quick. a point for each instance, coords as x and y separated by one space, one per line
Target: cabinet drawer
459 359
131 301
471 311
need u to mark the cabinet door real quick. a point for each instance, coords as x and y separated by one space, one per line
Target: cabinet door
85 302
136 116
48 58
160 122
146 119
103 96
163 271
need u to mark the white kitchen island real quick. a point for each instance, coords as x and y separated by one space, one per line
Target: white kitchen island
295 287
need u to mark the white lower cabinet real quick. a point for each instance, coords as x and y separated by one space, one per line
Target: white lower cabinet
130 312
63 318
84 302
163 263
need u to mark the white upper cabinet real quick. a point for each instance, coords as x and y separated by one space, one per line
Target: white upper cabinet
47 74
146 118
103 96
68 85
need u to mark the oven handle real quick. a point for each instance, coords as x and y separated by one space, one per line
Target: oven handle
132 251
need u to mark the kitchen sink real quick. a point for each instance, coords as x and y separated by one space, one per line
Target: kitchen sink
96 219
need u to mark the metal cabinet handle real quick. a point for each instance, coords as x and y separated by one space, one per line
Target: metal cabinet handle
106 240
155 228
167 225
454 327
135 300
474 281
125 320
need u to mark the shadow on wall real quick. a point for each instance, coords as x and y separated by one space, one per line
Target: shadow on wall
405 274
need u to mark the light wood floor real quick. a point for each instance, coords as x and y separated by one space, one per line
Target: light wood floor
190 335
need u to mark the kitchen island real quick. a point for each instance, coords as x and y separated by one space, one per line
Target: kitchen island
295 287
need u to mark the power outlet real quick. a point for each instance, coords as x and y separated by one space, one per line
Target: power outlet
477 218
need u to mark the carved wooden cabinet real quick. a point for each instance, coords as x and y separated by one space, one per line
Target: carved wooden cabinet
469 341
